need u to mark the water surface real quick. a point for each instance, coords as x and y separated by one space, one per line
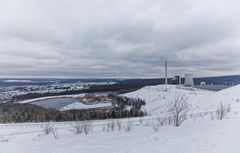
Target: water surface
55 103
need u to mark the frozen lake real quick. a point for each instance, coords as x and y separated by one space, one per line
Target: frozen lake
55 103
66 103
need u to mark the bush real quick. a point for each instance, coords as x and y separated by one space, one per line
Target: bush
78 127
82 127
112 125
4 139
128 126
222 111
49 129
119 125
156 125
87 126
178 109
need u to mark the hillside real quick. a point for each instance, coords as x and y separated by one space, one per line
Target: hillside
202 132
158 97
207 137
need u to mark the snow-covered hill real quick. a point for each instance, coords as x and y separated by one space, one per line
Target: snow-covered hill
205 137
158 97
198 134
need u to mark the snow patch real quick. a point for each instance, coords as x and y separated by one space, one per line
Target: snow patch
79 105
18 81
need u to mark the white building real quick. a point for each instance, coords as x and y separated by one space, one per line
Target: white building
189 80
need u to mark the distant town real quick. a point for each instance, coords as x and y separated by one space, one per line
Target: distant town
12 90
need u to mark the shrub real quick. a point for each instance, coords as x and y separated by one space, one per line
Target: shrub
49 129
178 109
128 126
87 126
119 125
78 127
156 125
221 111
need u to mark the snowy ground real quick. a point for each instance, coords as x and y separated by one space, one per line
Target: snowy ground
157 98
205 137
201 133
79 105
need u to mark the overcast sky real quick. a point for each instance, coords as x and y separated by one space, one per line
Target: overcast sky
119 38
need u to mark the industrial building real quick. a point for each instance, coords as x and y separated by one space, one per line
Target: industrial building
176 80
189 80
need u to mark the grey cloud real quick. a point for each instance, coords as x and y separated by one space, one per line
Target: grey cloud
120 38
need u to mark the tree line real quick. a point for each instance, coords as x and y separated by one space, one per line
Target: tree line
19 113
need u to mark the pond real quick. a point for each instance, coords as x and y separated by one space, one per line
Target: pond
55 103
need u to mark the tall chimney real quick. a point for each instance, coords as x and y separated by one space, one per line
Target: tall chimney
166 73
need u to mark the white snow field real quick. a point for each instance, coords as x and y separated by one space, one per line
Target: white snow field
157 98
79 105
200 133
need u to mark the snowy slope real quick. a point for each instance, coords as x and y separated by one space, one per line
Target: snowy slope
207 137
198 134
158 97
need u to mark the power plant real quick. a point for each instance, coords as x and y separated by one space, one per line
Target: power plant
189 80
177 79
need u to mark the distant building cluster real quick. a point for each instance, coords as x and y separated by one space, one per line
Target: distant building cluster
188 81
7 93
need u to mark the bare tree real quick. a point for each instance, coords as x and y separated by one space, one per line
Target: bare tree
169 119
228 108
4 139
112 125
156 125
49 129
161 120
128 126
140 121
78 127
178 109
87 126
119 125
221 111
